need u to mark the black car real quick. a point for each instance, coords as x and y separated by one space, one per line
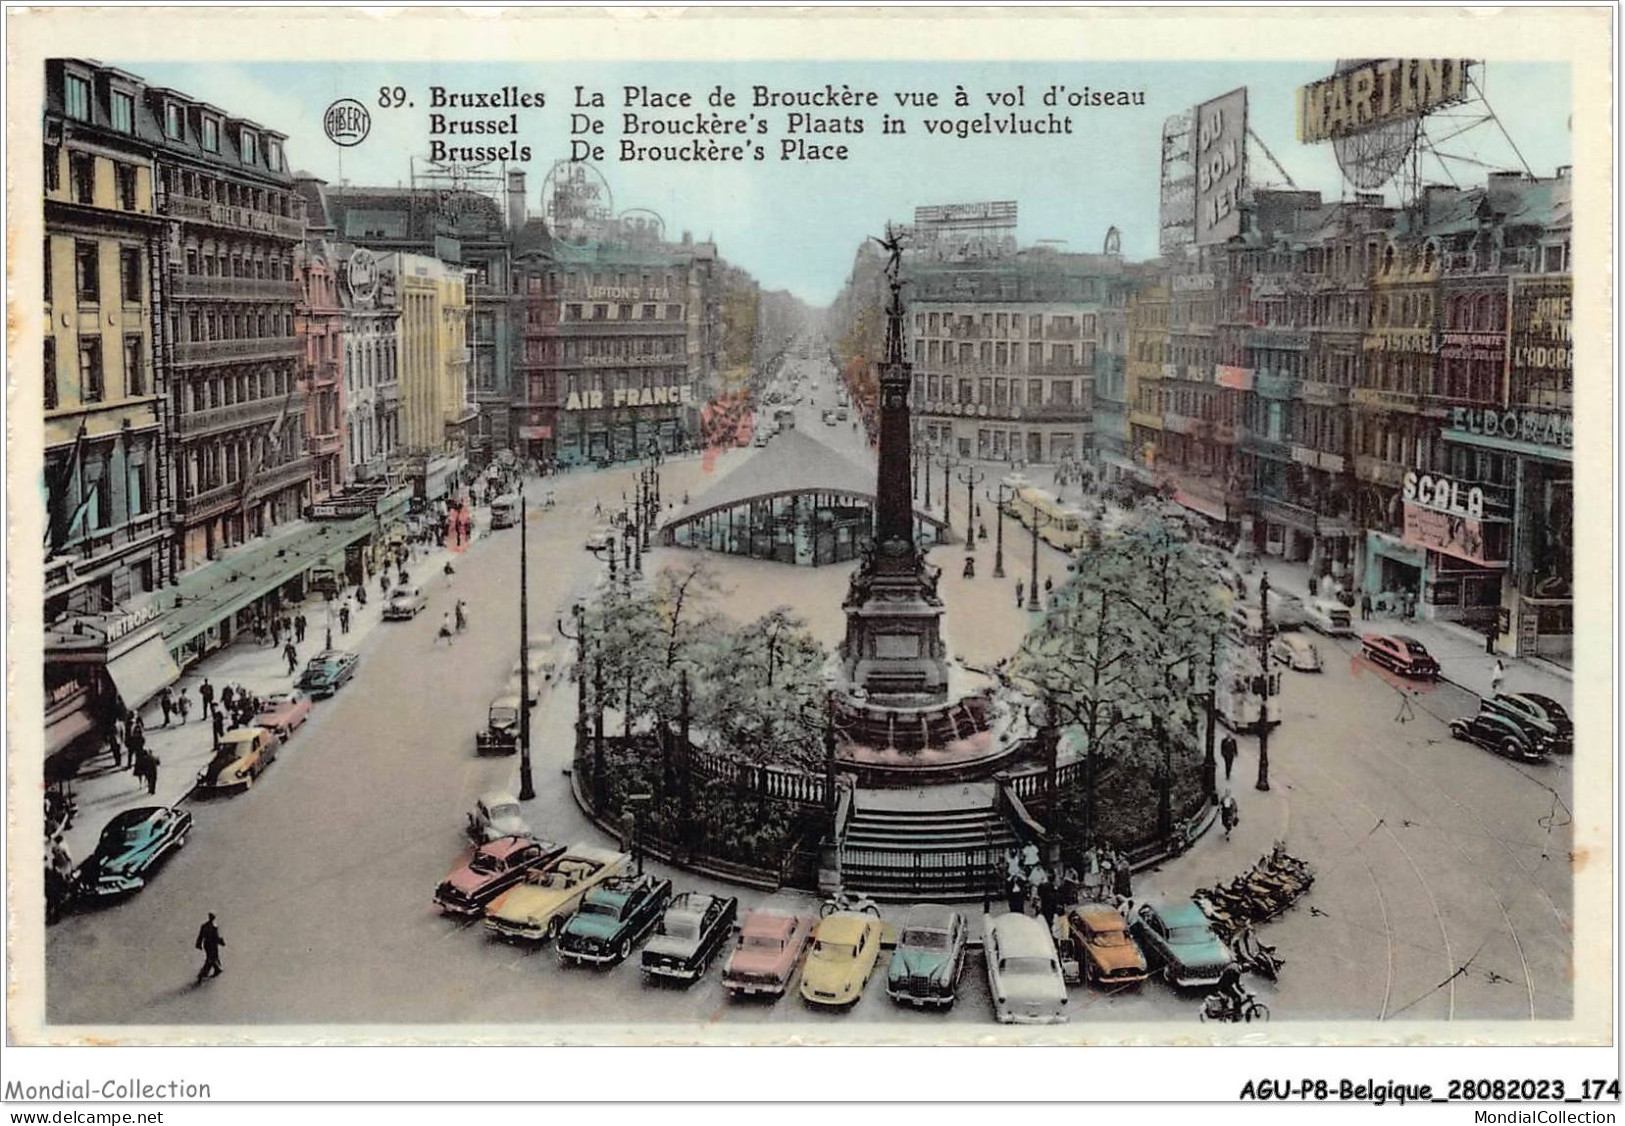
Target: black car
691 932
1494 731
1542 715
132 846
612 918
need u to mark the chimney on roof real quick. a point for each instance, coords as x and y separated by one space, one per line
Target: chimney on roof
516 200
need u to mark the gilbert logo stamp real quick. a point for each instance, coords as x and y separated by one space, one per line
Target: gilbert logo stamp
347 123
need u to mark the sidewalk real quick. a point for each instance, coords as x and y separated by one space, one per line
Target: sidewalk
1459 650
102 790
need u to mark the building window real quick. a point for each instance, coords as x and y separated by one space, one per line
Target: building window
50 373
273 157
91 378
211 134
129 263
76 98
135 372
123 112
172 121
53 167
126 185
87 273
250 148
82 168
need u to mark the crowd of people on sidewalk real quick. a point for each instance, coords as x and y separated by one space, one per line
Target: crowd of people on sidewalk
1031 889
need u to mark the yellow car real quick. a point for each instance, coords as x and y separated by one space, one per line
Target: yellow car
539 905
242 756
845 951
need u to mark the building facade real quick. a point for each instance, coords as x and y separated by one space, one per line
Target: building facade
435 409
319 325
108 504
372 343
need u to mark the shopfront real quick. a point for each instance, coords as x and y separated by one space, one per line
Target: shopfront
624 425
96 665
1393 567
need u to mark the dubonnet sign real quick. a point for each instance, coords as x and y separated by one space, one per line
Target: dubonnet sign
1221 166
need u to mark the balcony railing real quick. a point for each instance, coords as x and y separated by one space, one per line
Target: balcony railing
262 289
273 477
193 424
223 215
251 348
323 373
1229 433
388 394
321 445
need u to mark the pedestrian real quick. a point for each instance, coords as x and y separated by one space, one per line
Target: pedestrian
1314 586
1123 879
1497 675
276 632
115 744
166 701
205 692
218 721
1048 902
1227 751
137 747
462 615
1016 896
183 705
299 626
226 694
209 940
1365 606
970 567
1229 814
1049 585
445 629
292 656
383 584
1021 589
1489 639
344 617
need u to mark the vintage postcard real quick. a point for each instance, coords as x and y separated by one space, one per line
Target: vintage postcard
847 527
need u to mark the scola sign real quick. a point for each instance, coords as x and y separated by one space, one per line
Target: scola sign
631 397
1445 495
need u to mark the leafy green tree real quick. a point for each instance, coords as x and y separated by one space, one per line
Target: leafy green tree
766 692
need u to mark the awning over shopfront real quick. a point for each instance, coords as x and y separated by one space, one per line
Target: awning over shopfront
67 731
142 670
1210 507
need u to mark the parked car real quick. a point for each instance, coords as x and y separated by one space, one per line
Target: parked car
131 847
772 940
1106 952
841 414
1541 714
541 669
690 933
283 713
930 956
492 869
1023 971
1287 611
538 905
600 537
845 950
327 672
1177 940
240 757
614 917
501 734
1497 731
1330 617
1296 651
497 815
760 440
404 603
1400 653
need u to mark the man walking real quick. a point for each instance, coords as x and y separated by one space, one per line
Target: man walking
445 629
1497 675
218 719
292 656
205 692
151 765
166 701
183 705
1365 606
344 616
1021 589
299 626
1227 750
209 940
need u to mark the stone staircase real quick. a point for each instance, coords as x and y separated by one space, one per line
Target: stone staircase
943 843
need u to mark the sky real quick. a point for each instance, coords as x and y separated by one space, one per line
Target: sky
796 225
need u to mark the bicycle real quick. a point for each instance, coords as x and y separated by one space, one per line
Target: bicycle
841 900
1227 1010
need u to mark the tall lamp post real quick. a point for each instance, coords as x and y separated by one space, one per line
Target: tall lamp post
580 638
1263 782
1040 519
527 786
946 463
925 456
972 477
1210 767
998 542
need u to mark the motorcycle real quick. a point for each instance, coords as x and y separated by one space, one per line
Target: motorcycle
1225 1009
842 900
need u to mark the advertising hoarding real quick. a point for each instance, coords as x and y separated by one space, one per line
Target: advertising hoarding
1220 150
1176 224
1459 536
1377 92
965 232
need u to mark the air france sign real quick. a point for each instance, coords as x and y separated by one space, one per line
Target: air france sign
682 395
1444 495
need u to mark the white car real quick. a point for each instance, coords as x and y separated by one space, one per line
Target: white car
404 603
1296 652
1330 617
496 815
1023 971
541 669
600 537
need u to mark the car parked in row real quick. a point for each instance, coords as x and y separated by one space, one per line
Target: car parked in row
845 951
930 955
694 927
1296 652
496 814
1178 941
1106 953
613 918
241 755
1541 715
327 672
1400 653
538 906
491 870
283 713
772 940
1023 971
1495 730
130 849
1330 617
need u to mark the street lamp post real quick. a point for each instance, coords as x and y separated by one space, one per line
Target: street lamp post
946 463
1040 519
1210 767
580 638
972 477
998 542
925 455
1263 782
527 787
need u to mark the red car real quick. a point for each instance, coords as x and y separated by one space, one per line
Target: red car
492 869
771 943
1401 654
283 712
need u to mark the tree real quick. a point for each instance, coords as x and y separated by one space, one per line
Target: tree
767 692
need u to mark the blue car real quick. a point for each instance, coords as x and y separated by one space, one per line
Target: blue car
132 846
1176 937
327 672
613 918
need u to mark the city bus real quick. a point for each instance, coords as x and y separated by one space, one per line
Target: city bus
1062 524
